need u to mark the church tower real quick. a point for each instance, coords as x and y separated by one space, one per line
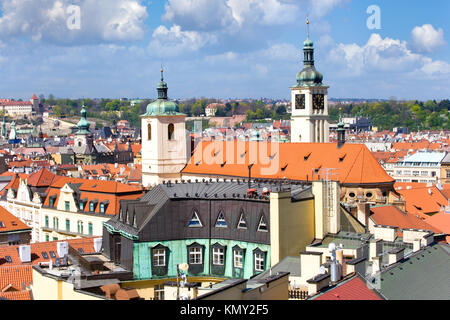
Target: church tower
309 101
84 142
164 143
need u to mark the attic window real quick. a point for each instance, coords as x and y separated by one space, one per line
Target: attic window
195 221
8 259
2 225
262 224
242 224
220 222
307 156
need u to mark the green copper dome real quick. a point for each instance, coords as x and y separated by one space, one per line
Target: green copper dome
309 76
162 106
83 124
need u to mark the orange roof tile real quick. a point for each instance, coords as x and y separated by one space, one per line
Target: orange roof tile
11 222
16 295
423 201
87 244
440 220
41 178
294 161
19 277
394 217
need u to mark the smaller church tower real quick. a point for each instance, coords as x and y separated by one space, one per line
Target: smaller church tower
84 141
309 121
164 141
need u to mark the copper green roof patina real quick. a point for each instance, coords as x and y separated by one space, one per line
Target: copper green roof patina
83 124
162 106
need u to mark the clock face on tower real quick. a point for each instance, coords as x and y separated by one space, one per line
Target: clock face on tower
299 101
318 101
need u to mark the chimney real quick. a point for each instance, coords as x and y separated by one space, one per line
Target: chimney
98 244
341 134
375 248
363 212
376 265
25 253
395 255
416 245
310 262
386 233
62 248
410 235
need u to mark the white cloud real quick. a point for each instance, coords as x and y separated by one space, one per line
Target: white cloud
426 38
46 20
174 41
386 55
230 15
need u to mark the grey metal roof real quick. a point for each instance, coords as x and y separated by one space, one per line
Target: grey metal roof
148 205
424 275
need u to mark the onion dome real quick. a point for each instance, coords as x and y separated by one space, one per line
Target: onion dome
83 124
162 106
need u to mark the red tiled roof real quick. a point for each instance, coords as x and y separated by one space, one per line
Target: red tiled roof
295 161
17 277
440 220
351 289
11 222
394 217
41 178
423 201
87 244
16 295
97 190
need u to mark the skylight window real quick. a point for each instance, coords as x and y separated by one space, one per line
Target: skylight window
195 221
220 222
44 255
52 254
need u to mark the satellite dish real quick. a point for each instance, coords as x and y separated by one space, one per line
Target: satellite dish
183 267
322 270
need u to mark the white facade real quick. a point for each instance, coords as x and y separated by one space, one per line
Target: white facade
422 167
26 207
309 124
163 157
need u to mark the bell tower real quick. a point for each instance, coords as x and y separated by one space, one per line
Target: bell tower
164 140
309 101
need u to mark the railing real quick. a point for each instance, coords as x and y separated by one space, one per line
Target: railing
298 295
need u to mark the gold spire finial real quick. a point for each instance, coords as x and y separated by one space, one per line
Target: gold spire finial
307 24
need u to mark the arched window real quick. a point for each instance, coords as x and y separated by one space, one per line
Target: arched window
171 131
149 132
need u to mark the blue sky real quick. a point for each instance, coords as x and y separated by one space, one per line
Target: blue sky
222 48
